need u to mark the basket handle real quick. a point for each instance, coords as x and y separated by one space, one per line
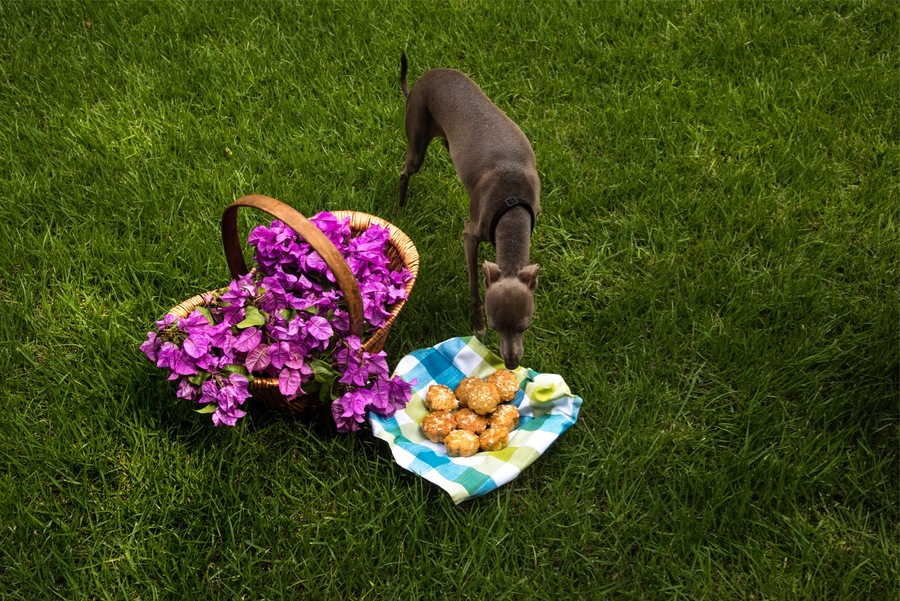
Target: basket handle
304 227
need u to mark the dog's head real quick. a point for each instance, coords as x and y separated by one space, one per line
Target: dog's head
509 307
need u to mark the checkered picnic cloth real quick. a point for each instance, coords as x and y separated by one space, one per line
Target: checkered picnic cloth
546 405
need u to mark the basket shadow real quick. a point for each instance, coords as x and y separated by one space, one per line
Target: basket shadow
151 404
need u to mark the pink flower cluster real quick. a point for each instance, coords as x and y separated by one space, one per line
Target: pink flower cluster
286 320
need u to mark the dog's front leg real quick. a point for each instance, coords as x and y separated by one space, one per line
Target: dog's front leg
470 244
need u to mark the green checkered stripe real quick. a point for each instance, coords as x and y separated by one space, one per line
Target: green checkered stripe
546 406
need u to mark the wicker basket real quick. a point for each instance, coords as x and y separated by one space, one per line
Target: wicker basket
401 252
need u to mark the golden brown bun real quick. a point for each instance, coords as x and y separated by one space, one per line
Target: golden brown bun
437 425
462 390
494 439
506 383
506 416
483 397
440 398
466 419
462 443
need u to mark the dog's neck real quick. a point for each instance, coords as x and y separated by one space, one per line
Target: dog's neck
513 241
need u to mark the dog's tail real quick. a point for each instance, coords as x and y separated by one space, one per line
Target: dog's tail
403 68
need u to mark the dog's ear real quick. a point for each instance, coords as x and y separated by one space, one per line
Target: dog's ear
528 276
491 273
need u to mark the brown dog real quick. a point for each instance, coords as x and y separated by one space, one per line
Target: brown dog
496 165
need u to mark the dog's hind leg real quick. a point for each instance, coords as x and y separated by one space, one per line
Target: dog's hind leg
420 129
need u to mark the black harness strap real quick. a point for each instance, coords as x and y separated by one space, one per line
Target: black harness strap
509 203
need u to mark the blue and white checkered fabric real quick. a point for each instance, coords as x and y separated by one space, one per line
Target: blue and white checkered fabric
546 405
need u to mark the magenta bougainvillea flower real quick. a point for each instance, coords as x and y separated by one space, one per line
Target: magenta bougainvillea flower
287 320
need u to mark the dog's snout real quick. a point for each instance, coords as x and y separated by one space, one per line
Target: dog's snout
511 349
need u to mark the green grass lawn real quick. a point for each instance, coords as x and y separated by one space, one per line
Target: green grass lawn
719 282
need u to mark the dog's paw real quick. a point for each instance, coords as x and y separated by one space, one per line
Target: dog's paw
479 332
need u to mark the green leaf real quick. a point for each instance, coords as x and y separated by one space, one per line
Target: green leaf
322 370
252 317
325 394
210 408
325 377
237 369
199 378
207 314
